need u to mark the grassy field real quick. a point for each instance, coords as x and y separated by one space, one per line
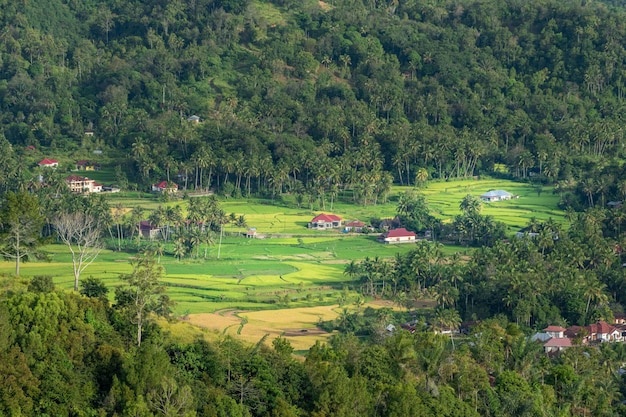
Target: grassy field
301 270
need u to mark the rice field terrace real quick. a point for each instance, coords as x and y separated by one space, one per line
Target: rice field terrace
292 267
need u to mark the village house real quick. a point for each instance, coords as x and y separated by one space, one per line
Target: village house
399 235
82 185
251 233
557 338
354 226
165 187
496 195
84 165
325 221
48 163
149 231
555 344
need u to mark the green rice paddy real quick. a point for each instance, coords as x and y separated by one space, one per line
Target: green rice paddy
292 266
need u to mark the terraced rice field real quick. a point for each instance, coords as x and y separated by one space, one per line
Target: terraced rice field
287 282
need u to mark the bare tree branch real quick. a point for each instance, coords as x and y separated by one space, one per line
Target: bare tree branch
81 233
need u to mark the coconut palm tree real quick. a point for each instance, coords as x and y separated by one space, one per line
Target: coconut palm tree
447 319
179 249
421 176
470 205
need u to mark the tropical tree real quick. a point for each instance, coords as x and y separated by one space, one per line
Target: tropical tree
142 293
20 226
470 205
421 176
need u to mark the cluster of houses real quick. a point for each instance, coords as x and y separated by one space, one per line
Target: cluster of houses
83 185
557 338
331 221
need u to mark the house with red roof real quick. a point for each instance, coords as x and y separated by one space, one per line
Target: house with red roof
555 331
557 338
149 231
557 344
48 163
165 187
399 235
325 221
354 226
603 332
82 185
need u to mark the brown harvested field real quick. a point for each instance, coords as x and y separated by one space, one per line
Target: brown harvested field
213 321
298 325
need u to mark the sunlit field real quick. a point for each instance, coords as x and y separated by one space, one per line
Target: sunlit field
292 267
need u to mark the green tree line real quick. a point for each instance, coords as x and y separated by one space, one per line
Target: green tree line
316 99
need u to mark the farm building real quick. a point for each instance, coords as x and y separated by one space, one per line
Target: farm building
149 231
325 221
400 235
84 165
354 226
165 187
48 163
496 195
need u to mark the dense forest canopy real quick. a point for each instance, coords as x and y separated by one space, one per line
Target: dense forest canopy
312 97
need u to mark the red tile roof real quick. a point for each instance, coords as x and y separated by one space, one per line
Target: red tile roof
399 232
165 184
601 327
47 161
558 342
554 329
326 218
355 223
573 331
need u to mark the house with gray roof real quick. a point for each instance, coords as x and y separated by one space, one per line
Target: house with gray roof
496 195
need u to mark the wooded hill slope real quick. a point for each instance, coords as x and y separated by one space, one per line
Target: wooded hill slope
309 96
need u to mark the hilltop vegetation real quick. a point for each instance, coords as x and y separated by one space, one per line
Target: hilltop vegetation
319 98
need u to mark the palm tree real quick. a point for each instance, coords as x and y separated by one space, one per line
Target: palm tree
221 220
421 176
545 240
159 249
202 158
352 269
346 61
447 319
594 291
179 249
208 240
470 205
136 216
326 61
241 221
589 187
